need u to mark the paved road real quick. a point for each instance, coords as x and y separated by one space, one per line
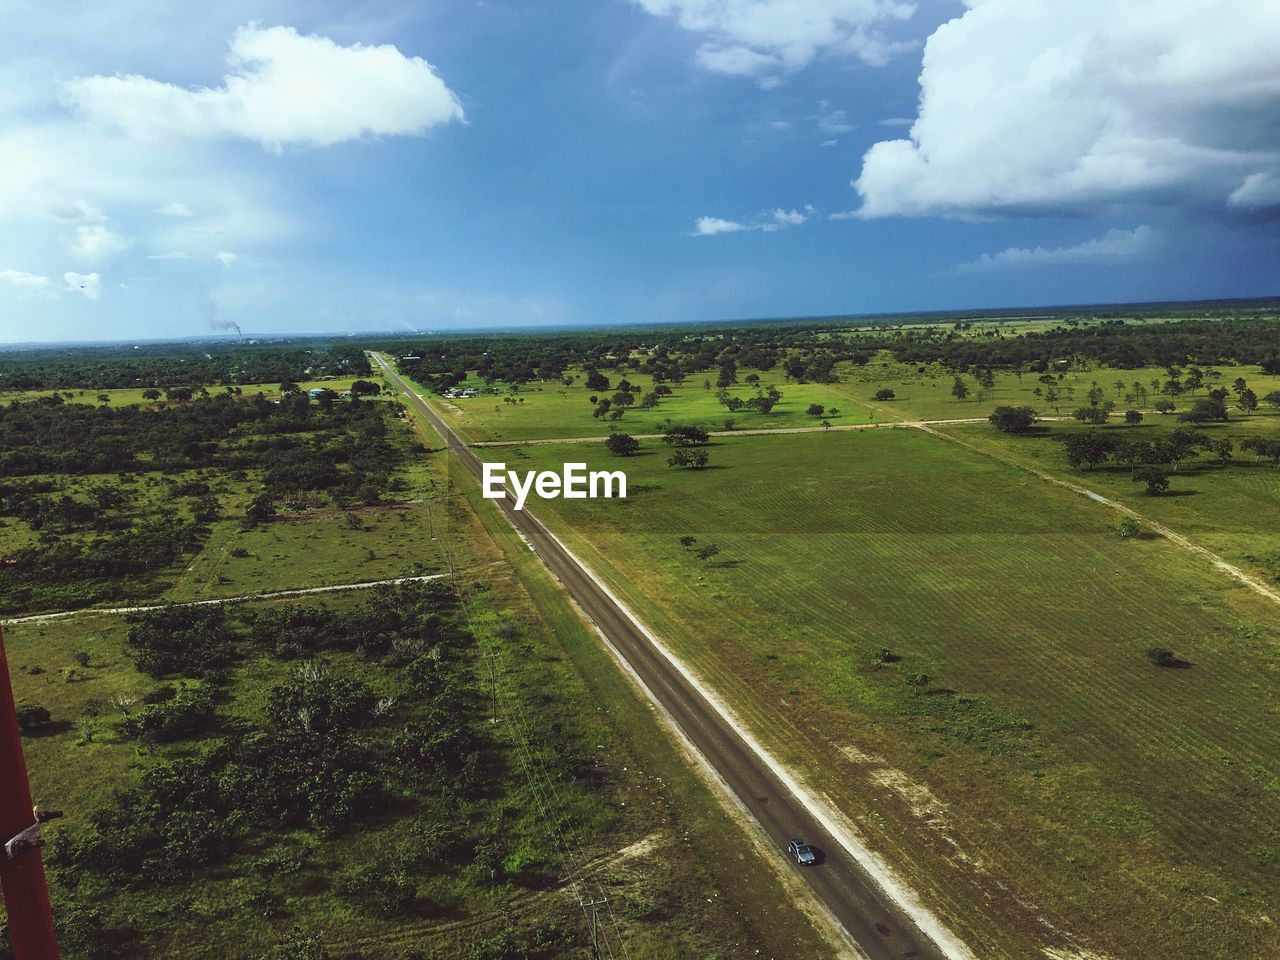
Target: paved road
877 925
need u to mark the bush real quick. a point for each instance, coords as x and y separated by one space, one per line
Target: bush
31 717
1127 528
885 394
1161 657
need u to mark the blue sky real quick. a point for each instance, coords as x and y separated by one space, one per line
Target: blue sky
168 170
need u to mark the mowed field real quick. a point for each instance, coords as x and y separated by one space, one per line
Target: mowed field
551 409
1046 785
1234 511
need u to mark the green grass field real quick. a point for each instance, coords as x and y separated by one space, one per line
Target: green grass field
1230 510
631 808
554 410
1047 770
927 395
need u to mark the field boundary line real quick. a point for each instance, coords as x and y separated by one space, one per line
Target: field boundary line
1225 566
760 432
242 598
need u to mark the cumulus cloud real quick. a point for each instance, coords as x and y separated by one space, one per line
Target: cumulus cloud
766 39
97 242
90 284
710 226
27 285
1115 246
174 209
282 88
225 257
1042 107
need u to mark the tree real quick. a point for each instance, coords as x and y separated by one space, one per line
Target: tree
1012 419
1094 415
958 389
621 444
826 425
885 394
151 393
1221 450
1156 479
1165 405
596 380
707 552
728 374
1264 448
1247 401
687 541
815 410
262 509
1161 657
1133 417
1091 448
683 436
1272 399
686 457
365 388
31 717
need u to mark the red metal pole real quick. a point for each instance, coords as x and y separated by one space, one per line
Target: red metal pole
26 895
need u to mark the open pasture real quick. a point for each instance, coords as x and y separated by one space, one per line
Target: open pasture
955 650
550 409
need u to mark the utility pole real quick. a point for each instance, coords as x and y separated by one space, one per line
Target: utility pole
26 894
595 938
493 680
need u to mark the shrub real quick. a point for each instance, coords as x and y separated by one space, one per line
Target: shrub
1127 528
1161 657
31 717
885 394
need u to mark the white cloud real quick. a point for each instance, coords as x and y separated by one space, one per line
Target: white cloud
710 226
282 88
174 209
170 255
90 284
832 121
769 38
1258 192
27 285
225 257
97 242
792 218
1115 246
828 143
1038 106
844 215
776 220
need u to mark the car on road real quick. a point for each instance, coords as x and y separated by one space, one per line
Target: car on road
801 851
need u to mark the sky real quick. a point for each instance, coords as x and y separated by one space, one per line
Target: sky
171 170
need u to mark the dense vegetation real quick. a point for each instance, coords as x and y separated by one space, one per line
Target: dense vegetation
324 755
85 482
169 365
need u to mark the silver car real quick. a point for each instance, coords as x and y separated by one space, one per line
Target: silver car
801 851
